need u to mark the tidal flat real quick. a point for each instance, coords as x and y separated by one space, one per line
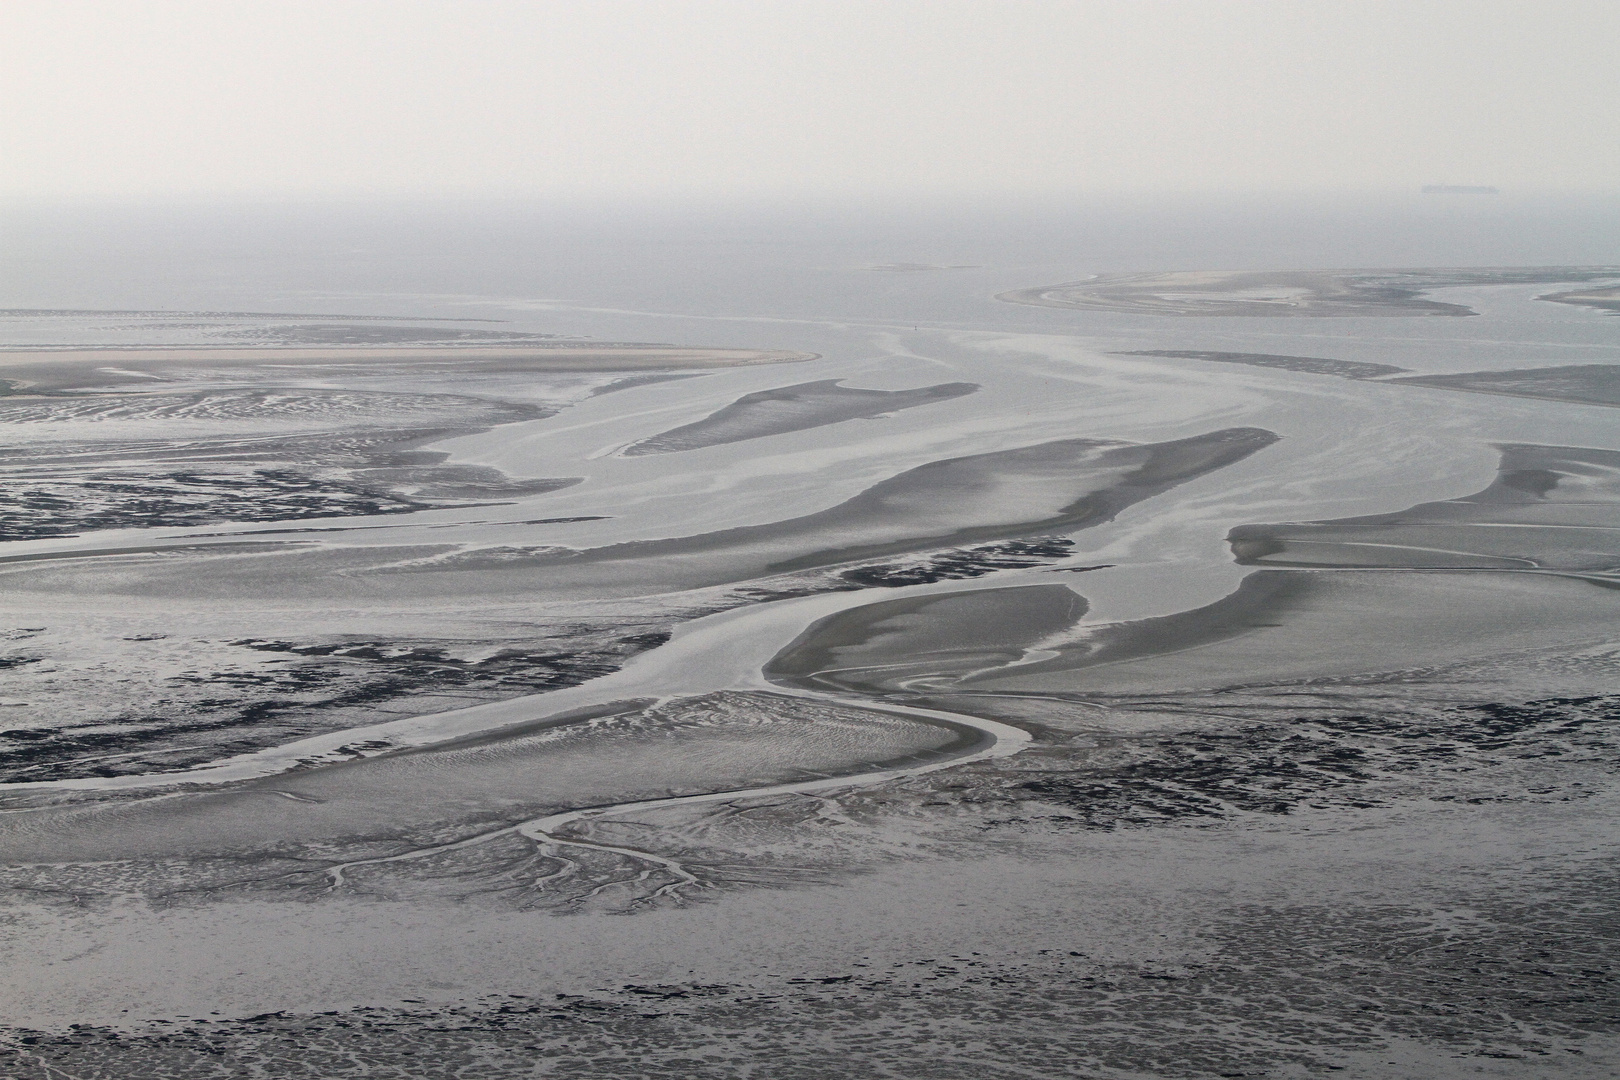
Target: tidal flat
866 677
1307 293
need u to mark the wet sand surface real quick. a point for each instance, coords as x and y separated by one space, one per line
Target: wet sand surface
953 744
1549 508
1050 487
874 648
792 408
1525 566
1277 626
632 751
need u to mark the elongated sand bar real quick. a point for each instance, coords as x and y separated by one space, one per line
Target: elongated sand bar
558 357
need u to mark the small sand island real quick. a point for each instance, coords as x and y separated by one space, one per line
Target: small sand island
1314 365
793 408
1605 298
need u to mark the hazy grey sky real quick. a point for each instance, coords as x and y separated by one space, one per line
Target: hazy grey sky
148 97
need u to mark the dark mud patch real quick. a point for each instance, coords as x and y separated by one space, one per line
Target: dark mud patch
967 563
54 489
63 506
296 689
1206 775
68 506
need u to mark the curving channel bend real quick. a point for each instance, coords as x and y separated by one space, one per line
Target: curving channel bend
726 651
997 740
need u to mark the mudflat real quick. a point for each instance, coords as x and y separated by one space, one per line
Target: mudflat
854 731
